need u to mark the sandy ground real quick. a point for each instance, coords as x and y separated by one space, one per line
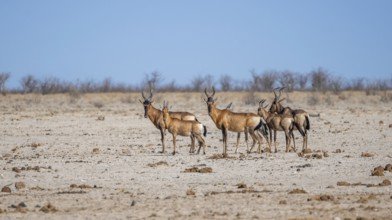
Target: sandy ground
95 156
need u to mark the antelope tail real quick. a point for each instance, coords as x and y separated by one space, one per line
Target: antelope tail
262 127
307 126
205 131
299 128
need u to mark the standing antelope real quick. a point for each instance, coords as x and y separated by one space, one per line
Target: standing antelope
194 129
301 117
278 122
227 120
156 116
239 133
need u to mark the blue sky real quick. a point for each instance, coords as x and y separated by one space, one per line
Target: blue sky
124 40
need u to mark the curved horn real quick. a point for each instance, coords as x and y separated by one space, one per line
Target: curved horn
143 95
213 92
149 98
280 91
261 103
205 91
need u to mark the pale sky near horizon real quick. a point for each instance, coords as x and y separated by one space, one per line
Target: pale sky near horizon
124 40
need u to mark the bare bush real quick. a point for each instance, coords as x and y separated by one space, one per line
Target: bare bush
319 79
226 82
152 80
29 84
3 79
263 82
197 83
335 84
50 85
287 79
302 81
170 87
357 84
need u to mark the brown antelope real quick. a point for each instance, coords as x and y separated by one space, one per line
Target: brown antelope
227 120
156 116
301 117
194 129
239 133
278 122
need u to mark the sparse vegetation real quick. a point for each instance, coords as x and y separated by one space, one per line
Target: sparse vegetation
318 80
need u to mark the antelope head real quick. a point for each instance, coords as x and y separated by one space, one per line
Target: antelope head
262 109
146 103
276 105
210 99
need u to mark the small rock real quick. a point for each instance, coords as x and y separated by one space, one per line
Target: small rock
282 202
241 186
20 185
326 198
6 189
343 183
385 182
16 169
388 167
367 154
205 170
48 208
297 191
378 171
190 192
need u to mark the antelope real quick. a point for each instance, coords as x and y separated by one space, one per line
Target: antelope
156 117
194 129
278 122
227 120
228 107
301 117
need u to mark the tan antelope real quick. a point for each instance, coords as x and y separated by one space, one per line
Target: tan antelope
227 120
301 117
156 116
239 133
193 129
278 122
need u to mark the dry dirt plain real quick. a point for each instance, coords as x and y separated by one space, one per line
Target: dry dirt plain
94 156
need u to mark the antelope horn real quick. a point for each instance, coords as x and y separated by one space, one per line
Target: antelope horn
143 95
149 98
205 91
261 102
213 92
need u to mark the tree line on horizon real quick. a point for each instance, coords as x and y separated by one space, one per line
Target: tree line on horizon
317 80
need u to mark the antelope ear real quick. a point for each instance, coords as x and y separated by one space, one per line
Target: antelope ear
140 101
266 106
281 100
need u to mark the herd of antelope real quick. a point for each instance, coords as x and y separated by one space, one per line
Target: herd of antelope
276 118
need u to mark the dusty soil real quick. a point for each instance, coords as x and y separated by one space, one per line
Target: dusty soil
95 156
